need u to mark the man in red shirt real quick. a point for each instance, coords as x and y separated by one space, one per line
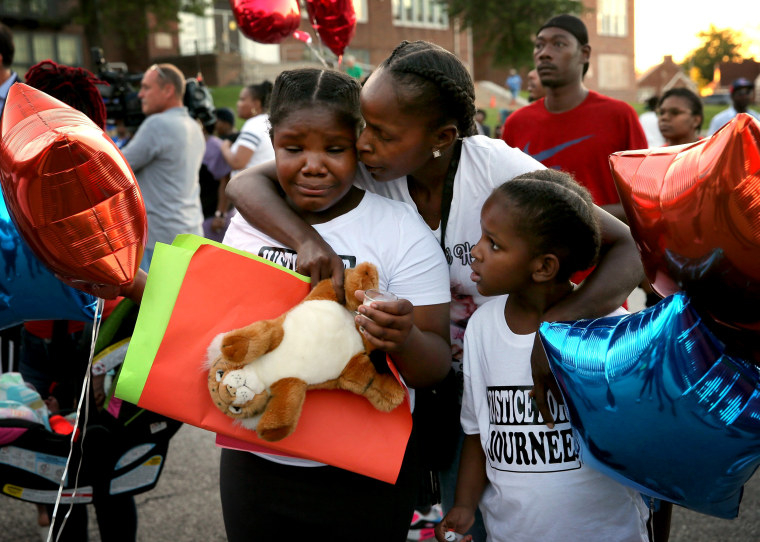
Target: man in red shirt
572 128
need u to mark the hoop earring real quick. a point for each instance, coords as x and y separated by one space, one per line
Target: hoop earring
436 153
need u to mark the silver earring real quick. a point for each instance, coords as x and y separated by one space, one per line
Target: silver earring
436 153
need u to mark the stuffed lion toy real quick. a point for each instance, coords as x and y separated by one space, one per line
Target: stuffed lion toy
259 374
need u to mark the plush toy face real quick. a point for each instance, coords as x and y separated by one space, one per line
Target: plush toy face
260 374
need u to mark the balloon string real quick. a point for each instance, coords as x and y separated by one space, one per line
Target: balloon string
316 53
315 25
84 399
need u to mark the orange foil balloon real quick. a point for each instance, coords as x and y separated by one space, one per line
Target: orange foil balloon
70 192
694 211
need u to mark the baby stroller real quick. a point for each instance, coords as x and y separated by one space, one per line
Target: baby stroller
123 451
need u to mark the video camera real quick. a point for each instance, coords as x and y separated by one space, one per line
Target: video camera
120 94
122 103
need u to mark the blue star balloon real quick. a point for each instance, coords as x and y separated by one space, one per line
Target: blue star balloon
28 291
657 404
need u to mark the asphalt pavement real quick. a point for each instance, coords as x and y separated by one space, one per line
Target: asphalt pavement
184 506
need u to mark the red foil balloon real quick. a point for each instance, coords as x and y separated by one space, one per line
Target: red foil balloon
68 189
694 211
334 21
266 21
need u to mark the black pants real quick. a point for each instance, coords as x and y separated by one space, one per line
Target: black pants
264 500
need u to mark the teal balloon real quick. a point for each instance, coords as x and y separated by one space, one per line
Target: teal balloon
658 404
28 291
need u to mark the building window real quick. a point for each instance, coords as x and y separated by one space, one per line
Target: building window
360 7
196 33
420 13
43 46
612 18
34 47
70 50
614 71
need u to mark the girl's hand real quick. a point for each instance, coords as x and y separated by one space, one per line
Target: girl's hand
316 259
385 324
459 519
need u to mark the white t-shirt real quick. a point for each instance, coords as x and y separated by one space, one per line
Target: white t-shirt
390 234
484 164
255 136
538 488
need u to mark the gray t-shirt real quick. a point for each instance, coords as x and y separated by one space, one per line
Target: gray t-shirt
165 155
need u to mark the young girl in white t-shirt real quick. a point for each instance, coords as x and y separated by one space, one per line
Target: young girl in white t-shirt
529 481
315 121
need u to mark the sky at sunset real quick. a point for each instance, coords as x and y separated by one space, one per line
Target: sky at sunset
670 27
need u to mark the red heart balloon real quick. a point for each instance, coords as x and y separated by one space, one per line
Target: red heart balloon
694 211
69 190
266 21
334 21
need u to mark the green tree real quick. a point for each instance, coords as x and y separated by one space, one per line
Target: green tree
507 27
128 19
717 46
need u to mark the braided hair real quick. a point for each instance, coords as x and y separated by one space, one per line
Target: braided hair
73 86
307 87
557 215
438 81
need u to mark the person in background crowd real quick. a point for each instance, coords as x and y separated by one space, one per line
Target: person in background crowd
253 145
679 114
742 96
225 124
514 83
649 123
352 68
166 154
480 118
122 134
7 75
214 175
574 129
536 90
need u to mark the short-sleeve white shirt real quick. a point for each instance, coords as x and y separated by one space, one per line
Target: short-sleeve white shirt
538 487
